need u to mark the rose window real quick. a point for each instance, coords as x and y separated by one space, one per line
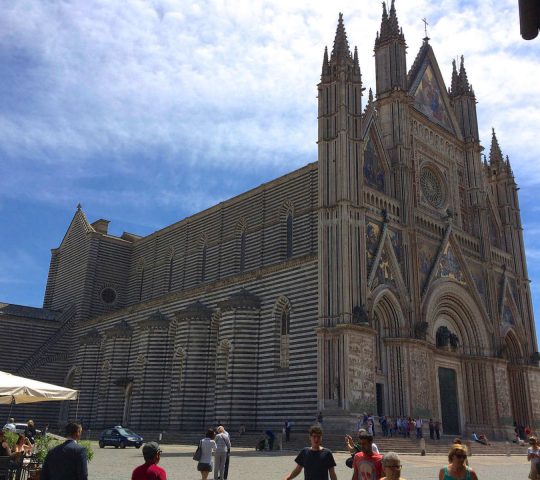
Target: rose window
432 188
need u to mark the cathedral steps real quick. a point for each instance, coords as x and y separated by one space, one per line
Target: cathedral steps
406 446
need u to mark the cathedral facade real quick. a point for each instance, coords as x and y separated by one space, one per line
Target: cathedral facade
389 276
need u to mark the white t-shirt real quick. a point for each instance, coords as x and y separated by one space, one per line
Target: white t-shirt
207 447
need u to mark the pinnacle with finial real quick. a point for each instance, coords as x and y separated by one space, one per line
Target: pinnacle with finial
495 153
455 79
370 98
389 25
79 207
325 67
341 51
463 80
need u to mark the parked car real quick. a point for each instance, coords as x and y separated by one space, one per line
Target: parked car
21 427
120 437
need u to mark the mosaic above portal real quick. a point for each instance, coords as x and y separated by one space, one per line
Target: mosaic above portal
373 169
426 256
449 266
384 274
373 235
428 99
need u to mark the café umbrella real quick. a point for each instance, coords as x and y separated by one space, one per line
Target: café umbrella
16 390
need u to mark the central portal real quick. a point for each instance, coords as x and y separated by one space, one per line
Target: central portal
449 401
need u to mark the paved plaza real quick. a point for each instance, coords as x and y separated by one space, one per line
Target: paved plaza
116 464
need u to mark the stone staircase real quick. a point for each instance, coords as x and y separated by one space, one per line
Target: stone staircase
335 442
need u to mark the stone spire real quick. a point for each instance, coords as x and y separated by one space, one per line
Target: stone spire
455 80
463 83
340 52
325 66
356 61
495 153
389 26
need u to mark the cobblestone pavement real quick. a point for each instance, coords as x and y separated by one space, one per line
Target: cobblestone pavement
117 464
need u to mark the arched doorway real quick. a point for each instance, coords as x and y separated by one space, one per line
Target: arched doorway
461 333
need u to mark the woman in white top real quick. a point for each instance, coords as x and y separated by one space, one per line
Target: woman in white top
220 458
533 456
207 447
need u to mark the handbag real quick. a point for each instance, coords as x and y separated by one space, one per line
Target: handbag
349 461
198 453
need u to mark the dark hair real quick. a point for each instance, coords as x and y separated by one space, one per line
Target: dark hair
72 428
210 433
315 430
21 437
364 434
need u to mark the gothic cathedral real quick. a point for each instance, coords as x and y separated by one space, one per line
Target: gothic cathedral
389 277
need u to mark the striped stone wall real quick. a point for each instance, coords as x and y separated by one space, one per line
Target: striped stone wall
197 357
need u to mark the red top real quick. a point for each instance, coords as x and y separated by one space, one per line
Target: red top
149 471
367 467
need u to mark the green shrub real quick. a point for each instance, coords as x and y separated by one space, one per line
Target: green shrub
44 444
11 438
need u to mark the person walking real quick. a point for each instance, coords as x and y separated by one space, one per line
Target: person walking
533 456
431 429
438 429
367 464
68 460
223 446
207 447
226 473
317 462
456 468
391 465
150 470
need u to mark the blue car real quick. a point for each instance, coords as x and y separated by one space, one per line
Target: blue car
120 437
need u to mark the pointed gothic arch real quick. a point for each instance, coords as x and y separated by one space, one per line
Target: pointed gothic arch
282 322
389 323
241 232
449 304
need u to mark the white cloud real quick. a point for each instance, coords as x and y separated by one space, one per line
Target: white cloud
149 93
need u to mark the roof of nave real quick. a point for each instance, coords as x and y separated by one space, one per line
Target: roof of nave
12 310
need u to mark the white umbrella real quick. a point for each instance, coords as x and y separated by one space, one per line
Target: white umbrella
14 389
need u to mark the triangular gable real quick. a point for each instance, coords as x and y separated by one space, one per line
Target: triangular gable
80 223
376 164
450 264
429 92
385 269
508 309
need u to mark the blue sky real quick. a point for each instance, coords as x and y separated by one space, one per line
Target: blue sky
148 111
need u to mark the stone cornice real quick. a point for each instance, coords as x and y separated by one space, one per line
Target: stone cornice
343 327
